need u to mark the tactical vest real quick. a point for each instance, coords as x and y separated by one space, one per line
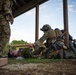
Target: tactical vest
58 33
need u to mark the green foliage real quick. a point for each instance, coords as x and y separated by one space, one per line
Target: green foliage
19 42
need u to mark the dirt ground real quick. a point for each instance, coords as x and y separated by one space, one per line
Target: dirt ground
68 67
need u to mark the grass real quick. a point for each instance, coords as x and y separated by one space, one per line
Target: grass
33 60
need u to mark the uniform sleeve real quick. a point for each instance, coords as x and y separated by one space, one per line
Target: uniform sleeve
7 7
42 39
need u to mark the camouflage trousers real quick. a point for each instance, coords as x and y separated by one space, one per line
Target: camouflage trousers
4 33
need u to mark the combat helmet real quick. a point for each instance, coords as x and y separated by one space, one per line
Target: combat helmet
45 27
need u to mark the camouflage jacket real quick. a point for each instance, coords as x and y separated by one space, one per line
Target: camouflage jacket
5 8
50 35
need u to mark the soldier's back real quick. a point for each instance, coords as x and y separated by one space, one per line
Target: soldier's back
58 32
51 34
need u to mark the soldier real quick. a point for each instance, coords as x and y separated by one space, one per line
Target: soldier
61 41
49 36
5 17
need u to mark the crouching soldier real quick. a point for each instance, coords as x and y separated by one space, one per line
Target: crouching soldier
61 41
50 37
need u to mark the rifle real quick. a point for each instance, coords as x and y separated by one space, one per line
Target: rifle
55 45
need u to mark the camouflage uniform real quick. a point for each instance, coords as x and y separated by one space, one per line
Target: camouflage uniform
49 36
58 33
5 15
61 41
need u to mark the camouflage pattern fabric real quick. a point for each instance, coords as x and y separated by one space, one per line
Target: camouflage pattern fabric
58 33
52 54
38 51
5 9
26 52
50 37
4 33
50 34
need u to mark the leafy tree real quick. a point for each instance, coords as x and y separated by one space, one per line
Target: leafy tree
19 42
